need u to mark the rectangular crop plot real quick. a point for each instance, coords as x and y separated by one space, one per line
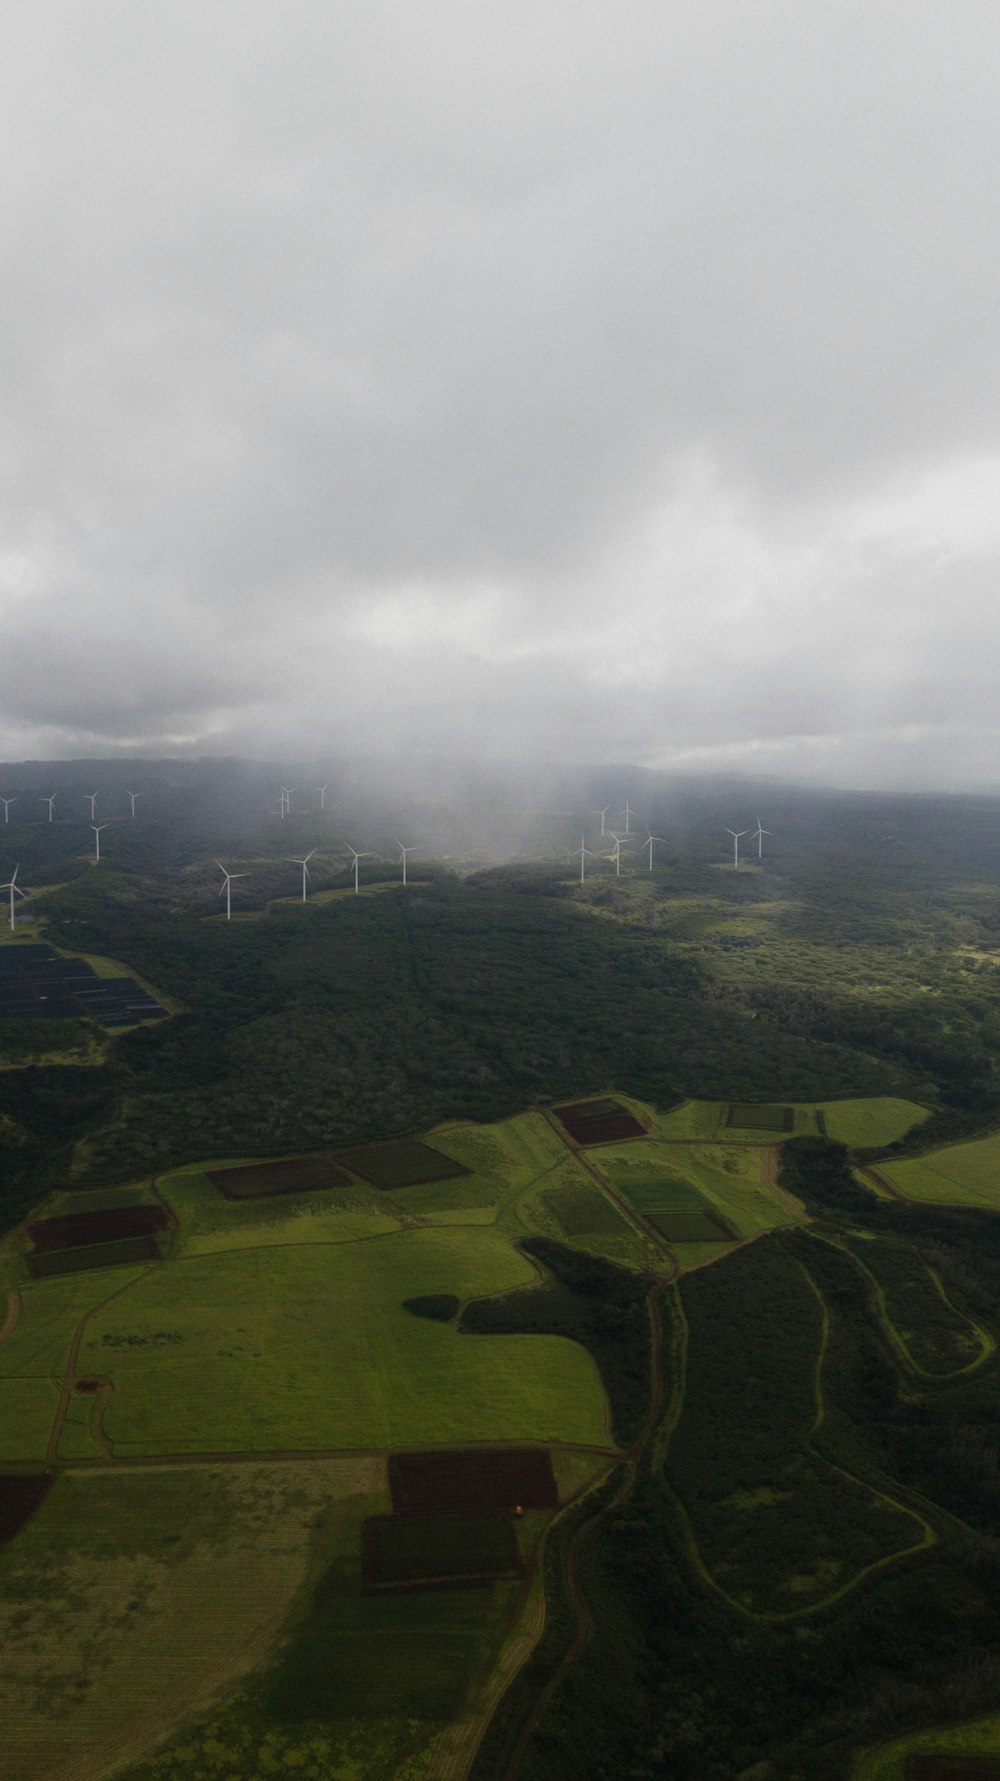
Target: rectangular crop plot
754 1117
37 981
404 1552
662 1193
43 1263
105 1226
408 1163
691 1227
472 1478
598 1122
583 1212
263 1181
20 1496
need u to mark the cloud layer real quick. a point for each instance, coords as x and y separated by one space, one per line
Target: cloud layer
556 380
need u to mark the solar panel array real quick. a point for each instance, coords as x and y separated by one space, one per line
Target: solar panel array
35 981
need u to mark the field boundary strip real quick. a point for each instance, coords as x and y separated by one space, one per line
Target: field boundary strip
12 1315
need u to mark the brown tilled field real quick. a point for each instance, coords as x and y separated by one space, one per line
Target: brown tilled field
20 1496
74 1228
455 1479
263 1181
598 1122
408 1163
400 1553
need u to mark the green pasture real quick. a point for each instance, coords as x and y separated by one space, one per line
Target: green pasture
27 1412
957 1175
210 1223
880 1119
678 1177
567 1195
50 1312
132 1599
888 1762
868 1121
310 1348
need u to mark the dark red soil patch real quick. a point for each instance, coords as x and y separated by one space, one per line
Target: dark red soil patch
953 1768
20 1496
43 1263
85 1388
598 1122
401 1553
264 1181
459 1479
74 1228
409 1163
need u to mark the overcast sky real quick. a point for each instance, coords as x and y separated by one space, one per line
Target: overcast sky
612 382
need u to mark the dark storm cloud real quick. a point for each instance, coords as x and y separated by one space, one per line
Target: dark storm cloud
561 379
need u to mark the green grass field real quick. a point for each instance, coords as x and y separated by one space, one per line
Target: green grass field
725 1178
957 1175
865 1122
310 1348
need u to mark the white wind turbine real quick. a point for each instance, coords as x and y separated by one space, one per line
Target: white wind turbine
583 850
322 796
649 843
97 827
50 802
403 851
92 797
286 800
357 857
602 814
7 802
758 835
305 871
737 837
132 796
227 881
628 812
617 855
15 890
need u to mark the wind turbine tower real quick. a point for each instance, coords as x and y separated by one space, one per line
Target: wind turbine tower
305 871
357 857
737 837
50 802
628 812
15 891
649 843
7 802
602 814
583 850
92 797
617 855
758 837
322 796
132 797
403 851
227 881
97 827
